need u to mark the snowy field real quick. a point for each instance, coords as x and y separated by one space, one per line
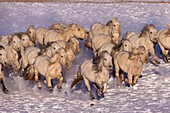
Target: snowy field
153 93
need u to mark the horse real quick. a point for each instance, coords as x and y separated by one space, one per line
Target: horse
32 34
13 49
147 38
73 30
58 27
131 63
3 62
72 47
109 29
101 39
96 71
163 41
40 35
50 68
112 49
5 39
99 28
31 53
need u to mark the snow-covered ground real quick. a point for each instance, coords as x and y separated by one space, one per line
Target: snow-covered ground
153 93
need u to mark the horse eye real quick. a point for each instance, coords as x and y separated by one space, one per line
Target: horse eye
73 42
114 25
141 53
13 41
125 45
105 59
78 29
61 56
29 31
151 32
23 39
54 48
0 54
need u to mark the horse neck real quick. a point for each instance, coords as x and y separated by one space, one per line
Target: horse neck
107 29
103 74
11 49
69 49
68 33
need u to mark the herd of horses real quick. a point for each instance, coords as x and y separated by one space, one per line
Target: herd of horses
45 52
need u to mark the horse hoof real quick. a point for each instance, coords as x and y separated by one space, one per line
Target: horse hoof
92 98
157 62
118 86
59 87
5 91
39 87
166 60
51 89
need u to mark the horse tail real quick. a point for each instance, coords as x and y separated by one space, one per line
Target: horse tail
79 77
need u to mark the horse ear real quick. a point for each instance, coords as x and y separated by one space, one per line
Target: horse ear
114 19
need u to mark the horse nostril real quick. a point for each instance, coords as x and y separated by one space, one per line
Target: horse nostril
87 32
110 66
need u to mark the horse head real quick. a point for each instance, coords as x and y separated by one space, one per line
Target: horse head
78 31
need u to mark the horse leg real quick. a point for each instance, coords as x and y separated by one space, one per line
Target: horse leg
118 77
104 87
60 77
135 79
49 83
122 78
37 78
86 81
165 53
130 79
4 89
154 56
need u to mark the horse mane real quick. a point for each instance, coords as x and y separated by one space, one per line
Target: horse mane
1 47
109 23
97 63
31 26
19 34
68 46
145 29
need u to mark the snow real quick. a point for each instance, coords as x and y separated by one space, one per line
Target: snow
153 92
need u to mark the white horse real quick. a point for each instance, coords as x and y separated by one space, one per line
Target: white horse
32 53
163 41
131 63
50 68
96 71
3 62
125 45
73 30
147 38
13 49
